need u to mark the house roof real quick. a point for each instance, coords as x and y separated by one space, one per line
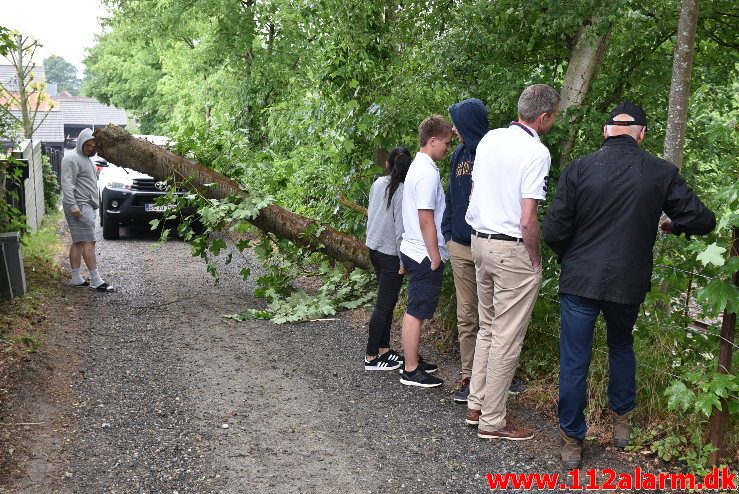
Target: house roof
80 110
9 79
43 104
66 110
52 127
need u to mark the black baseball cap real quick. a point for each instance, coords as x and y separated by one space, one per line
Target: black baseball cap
628 108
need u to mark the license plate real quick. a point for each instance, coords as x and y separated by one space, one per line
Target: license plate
153 208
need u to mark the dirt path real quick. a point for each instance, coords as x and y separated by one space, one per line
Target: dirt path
151 390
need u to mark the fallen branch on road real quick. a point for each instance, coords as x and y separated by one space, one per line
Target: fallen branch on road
118 146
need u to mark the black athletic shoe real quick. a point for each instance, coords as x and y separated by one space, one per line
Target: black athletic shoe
420 378
379 364
428 367
517 386
463 391
392 356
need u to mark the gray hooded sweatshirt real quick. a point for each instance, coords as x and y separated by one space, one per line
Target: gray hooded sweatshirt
79 180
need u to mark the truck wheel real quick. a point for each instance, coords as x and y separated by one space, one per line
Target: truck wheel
110 228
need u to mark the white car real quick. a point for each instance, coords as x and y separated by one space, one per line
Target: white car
126 197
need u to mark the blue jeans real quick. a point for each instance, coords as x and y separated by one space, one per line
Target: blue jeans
578 315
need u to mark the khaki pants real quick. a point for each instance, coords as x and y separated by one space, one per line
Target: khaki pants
465 286
507 287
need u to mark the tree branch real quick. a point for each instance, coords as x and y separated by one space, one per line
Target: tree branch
352 205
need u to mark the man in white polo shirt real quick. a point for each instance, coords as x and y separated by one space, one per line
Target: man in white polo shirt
422 250
509 180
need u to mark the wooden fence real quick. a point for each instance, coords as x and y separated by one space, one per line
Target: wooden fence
32 190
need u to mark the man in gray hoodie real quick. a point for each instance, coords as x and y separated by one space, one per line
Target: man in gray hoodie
79 201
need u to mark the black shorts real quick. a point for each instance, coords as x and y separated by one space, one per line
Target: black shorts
424 287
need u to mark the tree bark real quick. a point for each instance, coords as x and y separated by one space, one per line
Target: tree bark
118 146
585 58
26 121
682 66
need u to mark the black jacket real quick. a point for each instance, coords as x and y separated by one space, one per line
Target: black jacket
604 219
470 117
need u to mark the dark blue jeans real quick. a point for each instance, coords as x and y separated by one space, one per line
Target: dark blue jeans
578 316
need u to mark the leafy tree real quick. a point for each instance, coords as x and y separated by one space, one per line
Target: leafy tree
62 73
28 96
6 44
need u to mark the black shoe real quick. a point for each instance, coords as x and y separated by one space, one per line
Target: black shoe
517 386
378 363
427 367
420 378
392 356
463 391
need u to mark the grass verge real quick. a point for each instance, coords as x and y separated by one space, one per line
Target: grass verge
20 323
20 317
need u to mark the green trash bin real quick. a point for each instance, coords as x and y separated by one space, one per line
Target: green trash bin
12 276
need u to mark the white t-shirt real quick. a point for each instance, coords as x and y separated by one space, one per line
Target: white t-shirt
422 190
510 165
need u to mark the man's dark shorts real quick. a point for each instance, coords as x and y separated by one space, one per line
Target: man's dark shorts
424 287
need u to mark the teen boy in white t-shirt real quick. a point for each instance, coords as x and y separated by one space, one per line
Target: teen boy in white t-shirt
422 250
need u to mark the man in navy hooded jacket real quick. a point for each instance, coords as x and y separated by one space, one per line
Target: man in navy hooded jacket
470 119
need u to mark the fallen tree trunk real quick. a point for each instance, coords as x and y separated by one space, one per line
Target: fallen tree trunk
118 146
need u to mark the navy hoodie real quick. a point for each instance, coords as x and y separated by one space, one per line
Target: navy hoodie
470 117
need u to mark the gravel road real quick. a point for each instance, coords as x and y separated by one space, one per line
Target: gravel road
150 389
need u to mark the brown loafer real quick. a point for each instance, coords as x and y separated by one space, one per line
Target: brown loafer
509 432
472 417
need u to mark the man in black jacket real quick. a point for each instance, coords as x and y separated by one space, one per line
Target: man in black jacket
602 225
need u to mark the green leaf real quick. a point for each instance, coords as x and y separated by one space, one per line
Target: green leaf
732 266
679 397
720 295
723 384
245 272
216 246
705 403
713 254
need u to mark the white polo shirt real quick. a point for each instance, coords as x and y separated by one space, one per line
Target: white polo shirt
510 165
422 190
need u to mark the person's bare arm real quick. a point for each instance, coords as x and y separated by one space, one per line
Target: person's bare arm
530 230
428 232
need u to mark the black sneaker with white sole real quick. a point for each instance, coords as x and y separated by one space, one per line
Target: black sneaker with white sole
378 364
392 356
420 378
427 366
517 386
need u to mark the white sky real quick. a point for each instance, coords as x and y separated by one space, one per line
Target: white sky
65 28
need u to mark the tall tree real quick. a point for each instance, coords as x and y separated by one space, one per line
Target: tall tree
589 46
682 67
6 44
28 96
62 73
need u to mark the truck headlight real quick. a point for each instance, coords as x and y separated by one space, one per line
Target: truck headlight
120 183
